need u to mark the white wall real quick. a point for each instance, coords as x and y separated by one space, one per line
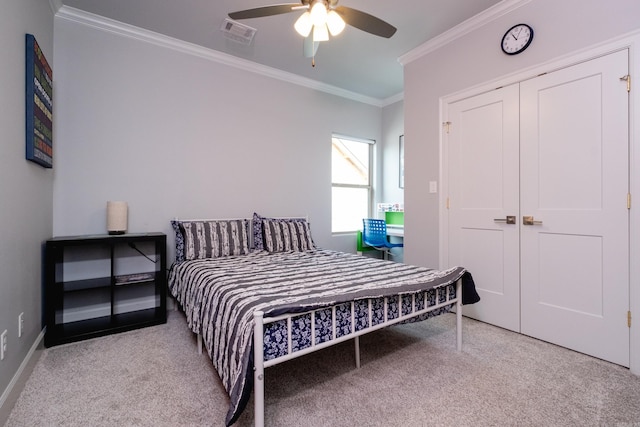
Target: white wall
474 59
178 135
561 28
25 191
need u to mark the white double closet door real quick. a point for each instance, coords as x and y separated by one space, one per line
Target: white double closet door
537 180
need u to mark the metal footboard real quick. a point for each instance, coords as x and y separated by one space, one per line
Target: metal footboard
260 321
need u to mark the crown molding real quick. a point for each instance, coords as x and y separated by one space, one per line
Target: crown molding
55 5
393 99
147 36
471 24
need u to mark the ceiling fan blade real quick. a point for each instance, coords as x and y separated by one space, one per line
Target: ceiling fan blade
365 22
259 12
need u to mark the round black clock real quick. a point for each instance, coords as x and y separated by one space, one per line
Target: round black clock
517 39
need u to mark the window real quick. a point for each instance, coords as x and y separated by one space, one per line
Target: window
350 182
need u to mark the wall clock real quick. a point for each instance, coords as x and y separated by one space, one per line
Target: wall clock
517 39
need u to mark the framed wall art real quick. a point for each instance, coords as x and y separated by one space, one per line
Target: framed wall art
401 161
39 105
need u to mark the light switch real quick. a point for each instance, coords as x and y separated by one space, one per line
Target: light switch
433 186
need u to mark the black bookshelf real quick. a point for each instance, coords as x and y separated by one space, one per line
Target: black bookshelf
97 285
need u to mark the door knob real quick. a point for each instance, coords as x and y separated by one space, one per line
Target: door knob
509 219
528 220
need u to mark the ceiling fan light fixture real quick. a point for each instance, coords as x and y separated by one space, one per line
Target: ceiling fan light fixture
303 25
319 13
335 23
320 33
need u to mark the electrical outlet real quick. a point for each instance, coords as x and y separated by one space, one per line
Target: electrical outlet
3 344
20 324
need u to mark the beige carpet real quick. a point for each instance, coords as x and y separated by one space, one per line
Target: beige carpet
411 375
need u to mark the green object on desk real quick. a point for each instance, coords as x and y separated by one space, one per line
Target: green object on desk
394 218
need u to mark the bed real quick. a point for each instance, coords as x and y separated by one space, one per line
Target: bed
258 292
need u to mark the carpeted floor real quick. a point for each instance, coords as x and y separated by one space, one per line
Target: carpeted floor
411 375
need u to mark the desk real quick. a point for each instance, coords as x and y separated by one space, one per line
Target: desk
395 230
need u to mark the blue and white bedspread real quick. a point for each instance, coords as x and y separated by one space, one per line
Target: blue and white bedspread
219 296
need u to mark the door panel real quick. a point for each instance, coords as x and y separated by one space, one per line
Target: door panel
574 180
569 143
482 152
556 268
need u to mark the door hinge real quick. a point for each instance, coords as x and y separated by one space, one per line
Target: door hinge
629 318
447 203
627 79
628 200
446 126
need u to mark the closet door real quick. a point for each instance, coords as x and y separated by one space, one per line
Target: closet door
574 184
482 170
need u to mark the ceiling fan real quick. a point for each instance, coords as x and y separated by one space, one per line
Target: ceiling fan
320 18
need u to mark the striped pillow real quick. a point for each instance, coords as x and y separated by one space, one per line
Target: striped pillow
179 240
287 235
213 239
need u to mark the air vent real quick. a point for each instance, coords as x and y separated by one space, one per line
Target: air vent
237 32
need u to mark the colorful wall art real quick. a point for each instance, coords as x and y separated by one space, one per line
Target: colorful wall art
39 103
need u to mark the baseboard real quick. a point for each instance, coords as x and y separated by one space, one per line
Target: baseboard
12 392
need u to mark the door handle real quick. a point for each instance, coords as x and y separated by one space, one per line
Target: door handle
509 219
528 220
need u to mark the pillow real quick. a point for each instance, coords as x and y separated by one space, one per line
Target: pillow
256 227
179 241
213 239
286 235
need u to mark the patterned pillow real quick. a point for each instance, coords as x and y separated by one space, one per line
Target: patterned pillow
179 241
287 235
213 239
256 223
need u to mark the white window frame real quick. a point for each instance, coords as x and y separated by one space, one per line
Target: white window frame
368 187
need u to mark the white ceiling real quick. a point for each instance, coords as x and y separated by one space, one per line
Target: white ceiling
354 61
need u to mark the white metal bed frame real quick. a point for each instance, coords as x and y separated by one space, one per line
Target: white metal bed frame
260 321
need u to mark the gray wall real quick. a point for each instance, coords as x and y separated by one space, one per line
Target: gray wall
25 188
476 58
180 135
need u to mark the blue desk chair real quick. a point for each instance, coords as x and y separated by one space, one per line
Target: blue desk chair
374 234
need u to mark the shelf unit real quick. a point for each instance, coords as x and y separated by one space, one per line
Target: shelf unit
97 285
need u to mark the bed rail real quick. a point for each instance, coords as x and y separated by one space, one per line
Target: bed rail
260 321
